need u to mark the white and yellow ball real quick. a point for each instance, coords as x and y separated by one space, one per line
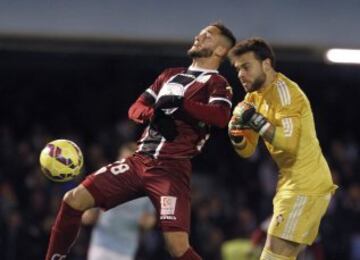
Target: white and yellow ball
61 160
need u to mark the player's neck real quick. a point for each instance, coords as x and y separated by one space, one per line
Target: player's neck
270 77
203 63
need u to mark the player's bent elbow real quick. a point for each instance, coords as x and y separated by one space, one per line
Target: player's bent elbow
222 124
290 148
220 120
285 144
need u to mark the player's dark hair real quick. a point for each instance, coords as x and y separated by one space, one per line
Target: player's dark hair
261 49
226 32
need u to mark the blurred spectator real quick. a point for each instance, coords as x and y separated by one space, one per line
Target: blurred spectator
45 96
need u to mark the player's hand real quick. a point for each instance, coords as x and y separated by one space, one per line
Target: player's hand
246 114
235 130
243 112
164 124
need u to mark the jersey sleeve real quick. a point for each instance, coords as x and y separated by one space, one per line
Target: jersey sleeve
150 94
218 109
288 120
220 91
141 110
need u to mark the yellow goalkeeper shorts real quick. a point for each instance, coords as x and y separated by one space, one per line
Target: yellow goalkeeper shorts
297 217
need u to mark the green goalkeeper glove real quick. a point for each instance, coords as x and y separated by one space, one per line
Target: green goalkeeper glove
246 114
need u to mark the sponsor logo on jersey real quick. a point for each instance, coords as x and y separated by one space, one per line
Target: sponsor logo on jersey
58 257
168 205
167 218
279 219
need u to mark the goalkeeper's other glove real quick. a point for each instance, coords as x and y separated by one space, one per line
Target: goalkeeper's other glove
246 114
164 124
235 131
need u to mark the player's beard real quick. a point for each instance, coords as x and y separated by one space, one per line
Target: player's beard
258 82
203 53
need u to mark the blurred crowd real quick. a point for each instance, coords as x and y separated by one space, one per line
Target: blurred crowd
84 98
231 197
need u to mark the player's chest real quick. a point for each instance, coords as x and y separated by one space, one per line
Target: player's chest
195 87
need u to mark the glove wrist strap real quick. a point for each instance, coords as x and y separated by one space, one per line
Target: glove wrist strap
264 128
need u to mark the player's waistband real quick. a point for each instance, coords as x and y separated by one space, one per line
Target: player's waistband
162 157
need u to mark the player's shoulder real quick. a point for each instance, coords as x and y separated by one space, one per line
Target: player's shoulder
174 70
287 91
217 77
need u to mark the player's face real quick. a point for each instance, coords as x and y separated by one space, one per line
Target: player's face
250 71
205 43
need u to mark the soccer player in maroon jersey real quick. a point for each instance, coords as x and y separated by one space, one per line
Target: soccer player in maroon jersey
179 108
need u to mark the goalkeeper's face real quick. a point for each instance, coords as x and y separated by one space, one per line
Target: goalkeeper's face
250 71
205 43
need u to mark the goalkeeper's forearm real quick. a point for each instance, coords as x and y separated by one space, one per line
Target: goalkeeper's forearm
260 124
268 132
286 143
276 136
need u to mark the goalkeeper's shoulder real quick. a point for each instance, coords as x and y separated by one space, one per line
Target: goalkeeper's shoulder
288 93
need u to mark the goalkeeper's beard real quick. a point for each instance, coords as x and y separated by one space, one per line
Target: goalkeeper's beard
258 82
204 53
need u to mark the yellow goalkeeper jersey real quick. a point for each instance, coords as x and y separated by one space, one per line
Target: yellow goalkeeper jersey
295 147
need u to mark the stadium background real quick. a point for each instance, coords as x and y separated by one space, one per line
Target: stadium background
71 70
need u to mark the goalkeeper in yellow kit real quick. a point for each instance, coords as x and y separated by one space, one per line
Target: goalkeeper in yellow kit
276 109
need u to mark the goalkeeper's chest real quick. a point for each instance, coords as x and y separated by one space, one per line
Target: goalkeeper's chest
269 109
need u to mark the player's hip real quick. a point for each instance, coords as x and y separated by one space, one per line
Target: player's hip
297 217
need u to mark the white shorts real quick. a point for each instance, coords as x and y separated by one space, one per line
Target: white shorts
101 253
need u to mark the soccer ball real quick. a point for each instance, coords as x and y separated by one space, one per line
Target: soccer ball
61 160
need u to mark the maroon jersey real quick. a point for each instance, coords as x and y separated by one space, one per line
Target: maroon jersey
200 85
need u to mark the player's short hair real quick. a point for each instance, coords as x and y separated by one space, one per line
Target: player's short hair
226 32
261 49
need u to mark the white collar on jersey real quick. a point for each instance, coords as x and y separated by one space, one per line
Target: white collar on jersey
202 69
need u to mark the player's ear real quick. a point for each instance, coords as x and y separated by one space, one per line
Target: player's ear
266 64
221 51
